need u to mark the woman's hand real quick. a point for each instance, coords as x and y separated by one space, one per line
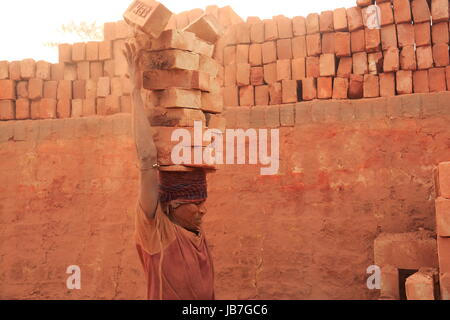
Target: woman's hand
133 57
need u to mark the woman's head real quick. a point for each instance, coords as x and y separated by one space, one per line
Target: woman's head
186 213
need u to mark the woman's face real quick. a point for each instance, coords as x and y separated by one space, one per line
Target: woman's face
188 214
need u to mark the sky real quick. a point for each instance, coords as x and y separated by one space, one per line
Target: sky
27 25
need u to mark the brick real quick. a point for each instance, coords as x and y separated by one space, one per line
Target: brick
262 95
206 28
284 26
77 108
4 70
230 75
242 33
111 106
444 254
284 70
299 48
389 283
229 55
65 53
92 49
7 108
439 33
257 32
289 91
443 217
242 53
326 21
170 59
109 32
22 89
7 90
78 52
439 10
255 54
34 109
424 57
22 109
287 116
345 67
420 81
340 88
404 82
270 73
437 79
91 89
230 96
243 74
375 62
440 55
246 96
298 69
354 18
35 89
180 98
211 102
57 71
340 19
269 52
408 58
14 70
309 89
120 62
402 11
420 11
103 87
328 41
314 44
47 109
327 65
64 90
373 40
342 44
387 84
299 26
405 35
445 286
284 49
422 285
257 117
270 30
27 69
96 70
358 41
105 51
325 87
43 70
371 86
79 89
422 34
275 93
187 79
70 72
170 117
444 180
83 70
360 63
312 24
356 86
272 117
389 37
386 13
126 105
116 87
447 75
312 67
50 89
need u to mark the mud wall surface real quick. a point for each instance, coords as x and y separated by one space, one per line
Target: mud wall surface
349 170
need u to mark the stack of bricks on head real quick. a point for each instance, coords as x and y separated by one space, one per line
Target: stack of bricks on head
442 182
335 55
90 79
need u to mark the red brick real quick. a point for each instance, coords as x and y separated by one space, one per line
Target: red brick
284 49
420 81
389 37
422 34
91 89
230 96
440 55
387 84
35 89
243 74
50 89
242 51
326 21
47 109
422 285
405 35
230 75
327 65
312 23
262 95
96 70
360 63
444 254
78 52
27 69
345 67
77 108
7 90
246 96
328 41
83 70
289 91
270 30
324 87
437 79
443 217
186 79
299 26
312 67
275 93
444 180
356 86
64 90
22 89
269 52
79 89
375 62
257 32
14 70
408 58
389 283
373 40
309 89
206 28
445 286
116 87
284 70
229 55
314 44
420 10
65 53
112 106
340 88
402 11
22 109
257 76
43 70
386 13
92 51
340 19
342 44
371 86
70 72
298 69
354 18
364 3
105 50
447 75
270 73
439 33
4 70
242 33
424 57
7 108
255 54
404 82
284 25
299 47
439 10
57 71
358 41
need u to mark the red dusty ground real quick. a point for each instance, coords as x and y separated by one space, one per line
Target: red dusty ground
67 197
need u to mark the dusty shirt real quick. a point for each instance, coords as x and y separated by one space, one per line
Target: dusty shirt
187 268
